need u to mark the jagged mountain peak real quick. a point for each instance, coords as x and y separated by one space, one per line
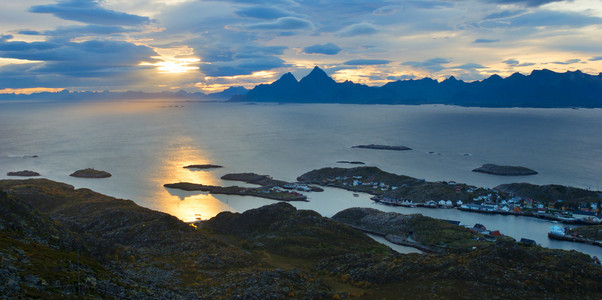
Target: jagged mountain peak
287 80
288 77
317 76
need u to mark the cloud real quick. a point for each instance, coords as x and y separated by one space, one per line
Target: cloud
358 29
511 62
29 32
387 10
597 58
262 12
366 62
427 4
249 51
504 14
89 11
222 58
285 23
402 77
526 64
554 18
469 66
531 3
326 49
88 29
485 41
242 66
86 59
567 62
433 64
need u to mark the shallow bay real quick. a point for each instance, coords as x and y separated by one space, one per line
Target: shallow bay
147 144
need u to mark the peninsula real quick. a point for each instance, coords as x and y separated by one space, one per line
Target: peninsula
504 170
273 193
269 188
415 230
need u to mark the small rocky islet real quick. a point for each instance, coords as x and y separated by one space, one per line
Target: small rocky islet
202 167
502 170
24 173
383 147
90 173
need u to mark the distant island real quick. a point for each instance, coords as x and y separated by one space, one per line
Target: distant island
504 170
541 88
24 173
383 147
203 167
90 173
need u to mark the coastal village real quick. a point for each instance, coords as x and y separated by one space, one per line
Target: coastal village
460 196
400 190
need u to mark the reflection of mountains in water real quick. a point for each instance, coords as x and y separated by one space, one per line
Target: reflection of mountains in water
542 88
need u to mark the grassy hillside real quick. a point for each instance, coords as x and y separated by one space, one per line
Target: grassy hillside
61 242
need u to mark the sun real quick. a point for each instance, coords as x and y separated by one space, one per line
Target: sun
180 65
174 60
174 65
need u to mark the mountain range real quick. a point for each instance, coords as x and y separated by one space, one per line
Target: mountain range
541 88
66 95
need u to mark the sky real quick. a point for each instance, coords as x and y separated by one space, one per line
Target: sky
208 46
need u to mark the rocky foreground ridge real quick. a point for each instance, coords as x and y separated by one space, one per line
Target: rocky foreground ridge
57 241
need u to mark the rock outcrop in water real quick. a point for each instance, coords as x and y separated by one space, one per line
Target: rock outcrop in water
383 147
51 233
90 173
24 173
203 166
504 170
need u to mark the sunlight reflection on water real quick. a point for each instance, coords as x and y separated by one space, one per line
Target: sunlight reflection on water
186 205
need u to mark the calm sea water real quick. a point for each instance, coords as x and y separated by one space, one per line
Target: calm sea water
146 144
